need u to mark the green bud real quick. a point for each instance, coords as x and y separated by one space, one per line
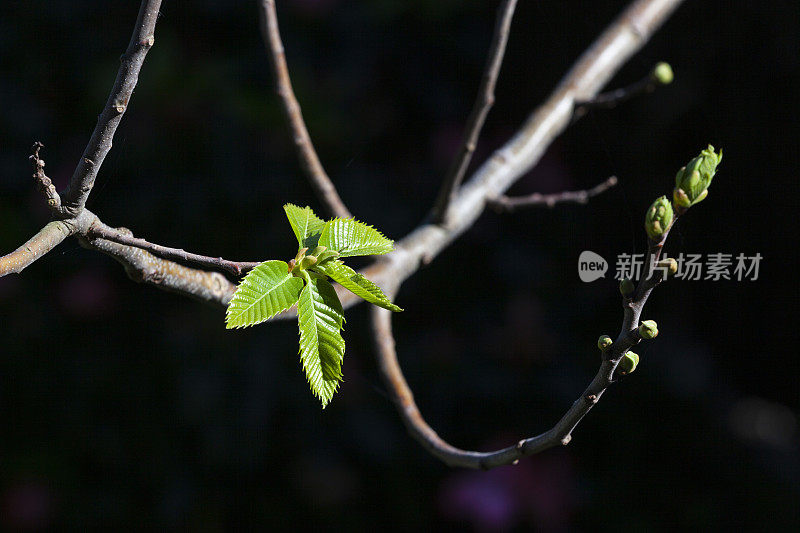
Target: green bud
658 218
648 329
662 73
669 264
316 251
680 200
627 288
604 342
307 261
693 180
628 363
301 253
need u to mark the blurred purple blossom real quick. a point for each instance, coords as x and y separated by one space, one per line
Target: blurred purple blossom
540 490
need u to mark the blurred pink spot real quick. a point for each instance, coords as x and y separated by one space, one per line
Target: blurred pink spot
87 294
540 490
27 507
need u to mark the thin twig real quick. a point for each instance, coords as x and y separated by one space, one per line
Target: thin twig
322 184
74 198
595 67
559 434
480 110
507 204
623 37
611 99
175 254
45 184
143 267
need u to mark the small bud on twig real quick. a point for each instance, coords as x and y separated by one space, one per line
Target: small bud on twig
648 329
627 288
692 181
628 363
604 342
658 218
662 73
668 266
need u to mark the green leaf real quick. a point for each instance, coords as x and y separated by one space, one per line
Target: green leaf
266 291
356 283
320 316
350 237
305 224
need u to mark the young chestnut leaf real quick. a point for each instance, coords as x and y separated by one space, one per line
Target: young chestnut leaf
275 286
355 283
267 290
320 317
350 237
306 225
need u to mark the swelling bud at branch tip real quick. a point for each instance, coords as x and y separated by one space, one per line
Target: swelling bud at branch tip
658 218
662 73
692 181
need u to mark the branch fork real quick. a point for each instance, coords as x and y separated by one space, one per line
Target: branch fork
456 210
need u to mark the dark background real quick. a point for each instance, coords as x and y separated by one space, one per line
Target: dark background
124 406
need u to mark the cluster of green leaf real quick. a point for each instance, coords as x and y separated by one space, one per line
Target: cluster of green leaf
274 286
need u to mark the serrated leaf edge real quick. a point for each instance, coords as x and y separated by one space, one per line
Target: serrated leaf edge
238 293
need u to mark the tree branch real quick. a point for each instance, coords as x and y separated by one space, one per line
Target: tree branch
235 268
611 99
100 143
595 67
627 34
560 433
143 267
322 184
506 204
593 70
45 240
483 103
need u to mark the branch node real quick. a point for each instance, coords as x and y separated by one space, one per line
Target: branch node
566 440
477 117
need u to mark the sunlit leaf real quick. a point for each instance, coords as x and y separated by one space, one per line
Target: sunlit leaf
305 224
350 237
356 283
320 317
266 291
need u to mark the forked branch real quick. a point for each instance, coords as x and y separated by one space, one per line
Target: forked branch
477 117
143 267
462 205
595 67
142 40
